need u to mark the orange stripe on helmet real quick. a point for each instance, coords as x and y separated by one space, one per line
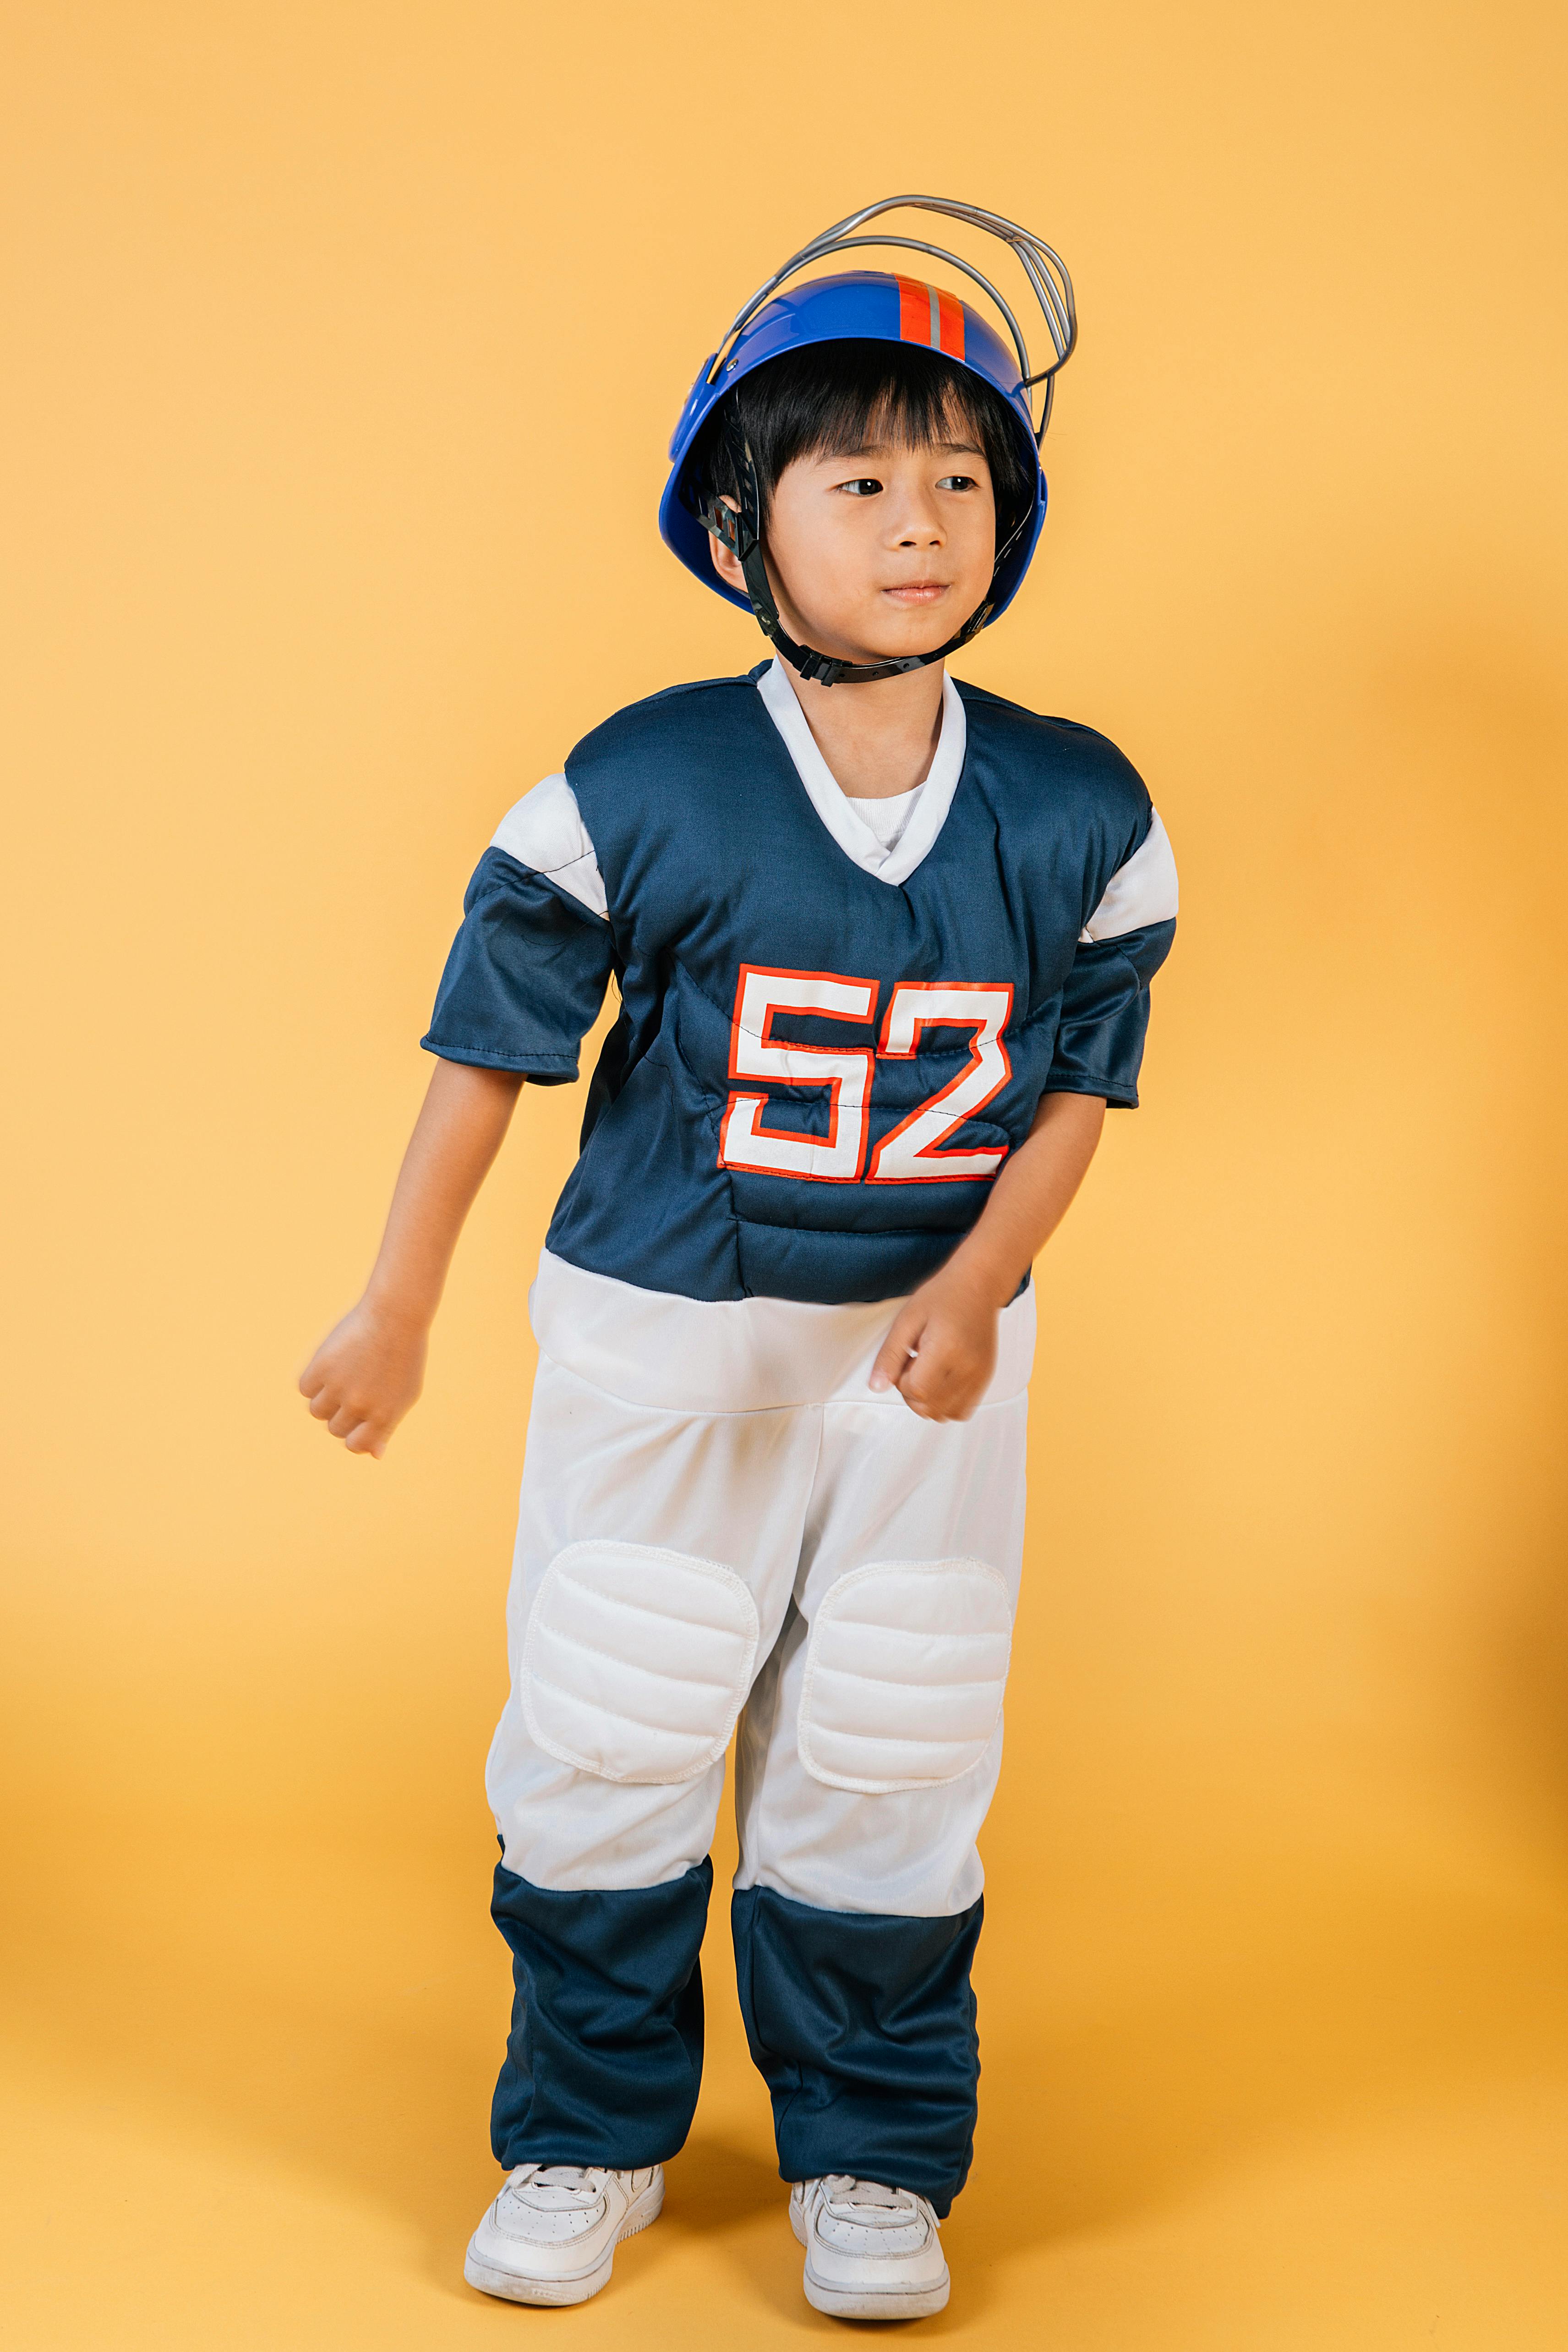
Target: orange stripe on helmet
914 311
926 315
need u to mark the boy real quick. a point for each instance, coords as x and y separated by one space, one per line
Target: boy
883 958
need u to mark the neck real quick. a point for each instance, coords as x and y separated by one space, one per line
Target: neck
878 740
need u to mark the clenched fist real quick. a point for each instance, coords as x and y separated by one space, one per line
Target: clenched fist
365 1375
942 1349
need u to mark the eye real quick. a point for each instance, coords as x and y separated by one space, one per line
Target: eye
866 487
957 482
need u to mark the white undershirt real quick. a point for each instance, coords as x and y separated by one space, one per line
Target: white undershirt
857 835
886 817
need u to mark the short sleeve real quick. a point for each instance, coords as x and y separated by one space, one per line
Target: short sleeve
1105 1016
525 977
1106 1003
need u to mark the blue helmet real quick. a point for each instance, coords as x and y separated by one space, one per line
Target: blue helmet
868 306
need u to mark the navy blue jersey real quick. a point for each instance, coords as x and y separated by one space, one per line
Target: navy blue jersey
816 1070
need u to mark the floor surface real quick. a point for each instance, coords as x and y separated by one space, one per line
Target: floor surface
238 2119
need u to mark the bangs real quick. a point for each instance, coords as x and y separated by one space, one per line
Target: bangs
872 397
832 399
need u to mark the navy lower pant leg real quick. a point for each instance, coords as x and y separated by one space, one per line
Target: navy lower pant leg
863 2025
605 2053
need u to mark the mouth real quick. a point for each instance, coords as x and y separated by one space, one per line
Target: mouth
915 592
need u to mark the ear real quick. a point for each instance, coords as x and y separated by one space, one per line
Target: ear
724 560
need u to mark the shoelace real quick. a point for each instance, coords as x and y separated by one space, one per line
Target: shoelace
556 2186
869 2203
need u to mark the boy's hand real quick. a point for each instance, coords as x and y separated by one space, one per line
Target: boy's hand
942 1349
365 1375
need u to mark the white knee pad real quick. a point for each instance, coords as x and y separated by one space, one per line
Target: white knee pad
636 1661
904 1674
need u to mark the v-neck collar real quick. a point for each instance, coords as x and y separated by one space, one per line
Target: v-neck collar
853 836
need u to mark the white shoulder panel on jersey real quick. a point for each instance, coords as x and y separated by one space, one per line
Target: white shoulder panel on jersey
545 831
1142 891
904 1674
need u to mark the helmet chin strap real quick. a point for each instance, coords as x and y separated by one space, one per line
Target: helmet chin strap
742 534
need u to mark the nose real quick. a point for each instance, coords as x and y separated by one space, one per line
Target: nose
918 525
917 521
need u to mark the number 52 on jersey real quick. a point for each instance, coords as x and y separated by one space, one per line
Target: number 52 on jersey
913 1152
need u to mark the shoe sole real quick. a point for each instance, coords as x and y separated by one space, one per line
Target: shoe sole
862 2303
844 2302
514 2286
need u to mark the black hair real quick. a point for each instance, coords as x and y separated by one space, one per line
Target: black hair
834 397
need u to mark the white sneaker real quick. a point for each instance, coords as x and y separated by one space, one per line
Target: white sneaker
871 2253
551 2234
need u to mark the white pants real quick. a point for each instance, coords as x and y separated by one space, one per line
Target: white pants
718 1515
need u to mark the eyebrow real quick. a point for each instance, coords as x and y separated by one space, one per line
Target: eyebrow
886 449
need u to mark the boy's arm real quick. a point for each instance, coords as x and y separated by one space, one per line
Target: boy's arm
369 1368
942 1349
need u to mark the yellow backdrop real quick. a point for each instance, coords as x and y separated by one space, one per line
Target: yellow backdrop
343 342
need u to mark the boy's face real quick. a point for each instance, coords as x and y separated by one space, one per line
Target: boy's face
879 552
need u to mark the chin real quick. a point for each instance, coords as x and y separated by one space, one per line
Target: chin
904 647
921 637
921 632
